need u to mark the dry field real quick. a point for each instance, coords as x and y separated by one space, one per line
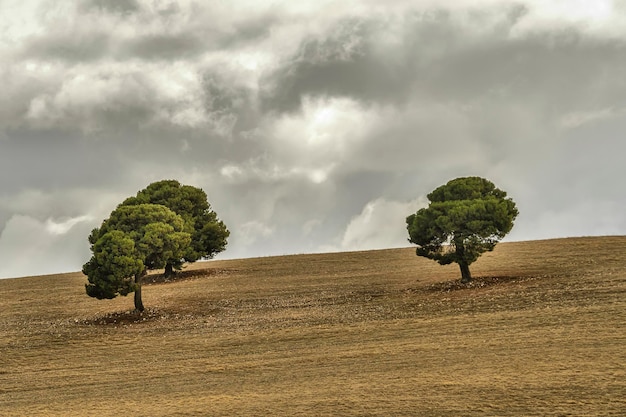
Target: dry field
541 332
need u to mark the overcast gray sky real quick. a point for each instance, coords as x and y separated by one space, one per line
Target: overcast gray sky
312 125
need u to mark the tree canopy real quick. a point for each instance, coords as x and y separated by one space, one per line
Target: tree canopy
163 226
465 218
131 241
113 266
208 234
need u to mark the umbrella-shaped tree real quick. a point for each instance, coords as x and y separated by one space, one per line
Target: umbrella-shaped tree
465 218
134 239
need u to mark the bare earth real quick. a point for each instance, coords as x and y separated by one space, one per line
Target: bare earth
541 332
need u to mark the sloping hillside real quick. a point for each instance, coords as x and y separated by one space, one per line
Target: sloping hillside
542 331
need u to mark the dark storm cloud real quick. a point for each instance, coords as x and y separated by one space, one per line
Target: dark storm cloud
48 158
163 46
186 42
249 29
67 47
373 59
495 87
117 6
341 64
435 58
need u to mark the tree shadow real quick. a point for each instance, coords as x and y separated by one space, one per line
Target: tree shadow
125 317
159 278
476 282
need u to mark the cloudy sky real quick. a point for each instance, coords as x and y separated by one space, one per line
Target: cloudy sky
312 125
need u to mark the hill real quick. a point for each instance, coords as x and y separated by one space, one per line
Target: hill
540 332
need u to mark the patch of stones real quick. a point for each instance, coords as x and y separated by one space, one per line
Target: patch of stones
124 317
478 282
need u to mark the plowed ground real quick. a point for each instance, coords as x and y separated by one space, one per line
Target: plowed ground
541 332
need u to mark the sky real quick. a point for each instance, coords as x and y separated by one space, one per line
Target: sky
313 126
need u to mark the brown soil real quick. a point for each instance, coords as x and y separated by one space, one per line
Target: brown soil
540 332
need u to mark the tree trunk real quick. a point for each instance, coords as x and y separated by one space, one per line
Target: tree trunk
169 270
138 302
466 276
460 255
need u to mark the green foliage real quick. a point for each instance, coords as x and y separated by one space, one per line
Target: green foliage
466 217
156 230
114 264
208 234
161 243
164 225
132 240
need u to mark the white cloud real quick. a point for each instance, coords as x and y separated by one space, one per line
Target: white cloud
61 227
579 118
326 127
23 21
32 247
87 205
262 170
591 218
249 232
310 225
93 98
599 17
231 171
380 225
320 175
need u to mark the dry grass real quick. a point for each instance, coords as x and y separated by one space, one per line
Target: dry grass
542 332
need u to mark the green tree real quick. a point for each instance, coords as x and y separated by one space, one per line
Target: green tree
465 218
113 266
208 234
131 241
